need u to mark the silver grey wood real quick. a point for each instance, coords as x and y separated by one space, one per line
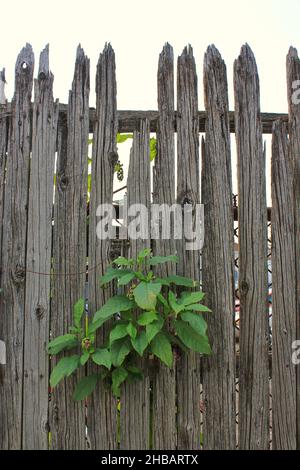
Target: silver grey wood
135 397
293 77
164 380
102 406
217 260
284 416
253 290
188 192
67 418
12 299
39 244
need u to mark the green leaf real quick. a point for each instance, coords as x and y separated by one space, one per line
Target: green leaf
161 347
191 339
78 311
119 331
84 358
147 317
126 279
121 261
101 357
143 254
123 137
145 295
153 150
196 321
154 328
118 376
60 343
140 343
64 368
188 298
175 306
110 275
131 330
85 387
182 281
165 304
119 350
155 260
199 308
115 304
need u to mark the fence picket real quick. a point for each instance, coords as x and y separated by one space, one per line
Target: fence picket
293 77
164 380
13 279
284 287
102 407
218 369
135 398
67 418
188 366
252 214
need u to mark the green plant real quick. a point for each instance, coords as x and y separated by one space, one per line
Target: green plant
150 318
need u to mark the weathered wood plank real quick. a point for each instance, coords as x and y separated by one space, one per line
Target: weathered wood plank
188 188
128 120
293 77
102 410
254 337
14 254
217 255
164 380
67 418
39 243
283 300
135 397
4 125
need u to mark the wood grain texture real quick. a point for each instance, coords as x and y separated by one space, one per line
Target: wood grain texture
14 253
39 243
284 287
217 257
135 397
102 407
164 381
254 337
4 129
188 188
128 120
293 77
67 418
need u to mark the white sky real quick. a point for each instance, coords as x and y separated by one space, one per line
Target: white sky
138 30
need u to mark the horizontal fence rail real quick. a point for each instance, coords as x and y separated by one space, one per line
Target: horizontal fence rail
54 175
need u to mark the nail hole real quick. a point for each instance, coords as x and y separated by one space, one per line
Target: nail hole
24 66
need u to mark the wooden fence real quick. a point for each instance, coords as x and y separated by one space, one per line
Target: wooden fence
48 258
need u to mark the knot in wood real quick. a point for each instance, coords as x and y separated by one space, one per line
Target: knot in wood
19 274
40 311
113 158
244 287
63 182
